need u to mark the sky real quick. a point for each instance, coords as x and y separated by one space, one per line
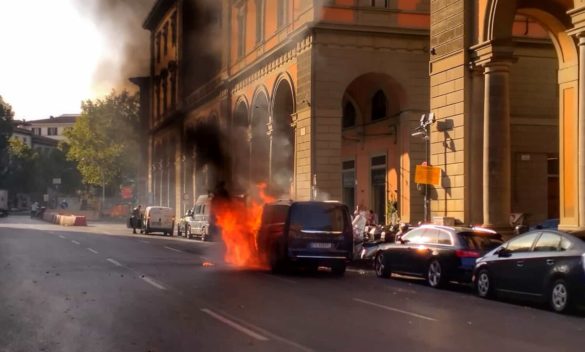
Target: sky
49 52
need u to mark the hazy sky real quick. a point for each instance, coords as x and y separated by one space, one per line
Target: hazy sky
48 55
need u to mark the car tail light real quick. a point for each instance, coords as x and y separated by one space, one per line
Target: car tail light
461 253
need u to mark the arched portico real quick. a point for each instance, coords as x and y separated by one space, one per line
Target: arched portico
495 54
260 141
282 137
240 134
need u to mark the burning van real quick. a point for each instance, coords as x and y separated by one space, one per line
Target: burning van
310 233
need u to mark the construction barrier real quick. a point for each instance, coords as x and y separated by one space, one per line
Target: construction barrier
65 220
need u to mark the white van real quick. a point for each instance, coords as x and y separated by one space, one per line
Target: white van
199 225
158 219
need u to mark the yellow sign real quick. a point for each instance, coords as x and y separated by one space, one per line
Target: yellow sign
428 175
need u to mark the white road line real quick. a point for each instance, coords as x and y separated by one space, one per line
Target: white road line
153 283
75 242
174 249
115 262
267 333
415 315
93 251
234 325
62 237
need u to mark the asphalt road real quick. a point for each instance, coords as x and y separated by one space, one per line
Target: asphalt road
102 289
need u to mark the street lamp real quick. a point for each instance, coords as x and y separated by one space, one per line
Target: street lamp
422 131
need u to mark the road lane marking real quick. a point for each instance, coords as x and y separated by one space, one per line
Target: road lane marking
75 242
234 325
396 310
267 333
173 249
93 251
62 237
115 262
153 283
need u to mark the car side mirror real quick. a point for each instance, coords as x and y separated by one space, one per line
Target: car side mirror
504 253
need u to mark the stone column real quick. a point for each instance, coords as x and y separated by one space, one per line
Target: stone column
496 145
476 160
581 132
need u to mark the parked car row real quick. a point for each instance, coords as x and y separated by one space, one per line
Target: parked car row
542 265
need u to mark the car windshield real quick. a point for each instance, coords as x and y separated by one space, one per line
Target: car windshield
319 217
480 240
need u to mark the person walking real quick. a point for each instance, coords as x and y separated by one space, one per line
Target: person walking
136 217
34 209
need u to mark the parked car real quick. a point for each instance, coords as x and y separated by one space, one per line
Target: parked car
549 224
310 233
438 253
158 219
195 223
541 265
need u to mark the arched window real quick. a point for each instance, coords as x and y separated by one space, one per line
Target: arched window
379 108
349 115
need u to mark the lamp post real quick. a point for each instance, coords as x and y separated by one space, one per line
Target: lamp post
423 131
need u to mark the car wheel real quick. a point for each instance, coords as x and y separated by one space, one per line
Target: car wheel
435 275
204 234
338 269
560 298
382 270
484 285
188 232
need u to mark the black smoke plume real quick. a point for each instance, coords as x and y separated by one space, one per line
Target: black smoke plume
209 144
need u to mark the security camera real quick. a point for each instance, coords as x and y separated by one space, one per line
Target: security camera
419 134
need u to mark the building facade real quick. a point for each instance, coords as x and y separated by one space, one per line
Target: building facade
319 99
53 127
316 98
511 109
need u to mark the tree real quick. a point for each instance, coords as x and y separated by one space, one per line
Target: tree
21 175
6 118
104 142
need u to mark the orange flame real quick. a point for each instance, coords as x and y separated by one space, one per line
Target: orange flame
239 224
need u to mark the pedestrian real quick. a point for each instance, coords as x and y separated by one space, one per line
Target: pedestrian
34 209
136 218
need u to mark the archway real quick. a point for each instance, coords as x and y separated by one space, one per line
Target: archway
371 107
260 141
283 140
498 31
241 146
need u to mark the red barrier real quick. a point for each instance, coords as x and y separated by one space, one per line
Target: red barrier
80 221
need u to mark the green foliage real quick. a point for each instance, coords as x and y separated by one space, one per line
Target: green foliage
33 172
6 118
104 142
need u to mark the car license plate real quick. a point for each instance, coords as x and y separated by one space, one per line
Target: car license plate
320 245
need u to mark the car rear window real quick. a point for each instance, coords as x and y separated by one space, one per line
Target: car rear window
319 217
274 214
480 240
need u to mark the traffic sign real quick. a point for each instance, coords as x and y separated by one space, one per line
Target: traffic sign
427 175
